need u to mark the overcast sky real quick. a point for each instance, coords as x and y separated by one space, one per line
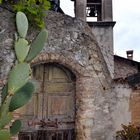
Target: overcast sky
126 13
127 28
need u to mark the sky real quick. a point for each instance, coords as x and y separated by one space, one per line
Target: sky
126 13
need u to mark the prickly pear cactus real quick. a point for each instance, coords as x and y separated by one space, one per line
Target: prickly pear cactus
37 45
22 49
18 90
22 24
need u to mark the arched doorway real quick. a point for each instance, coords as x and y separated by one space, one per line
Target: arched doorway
50 115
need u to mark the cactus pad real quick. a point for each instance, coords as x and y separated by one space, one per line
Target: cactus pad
4 108
37 45
22 24
15 128
5 120
4 134
21 48
22 96
18 77
4 93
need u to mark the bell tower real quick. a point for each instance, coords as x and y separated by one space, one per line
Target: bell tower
100 9
98 14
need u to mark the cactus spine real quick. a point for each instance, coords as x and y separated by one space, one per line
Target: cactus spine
18 90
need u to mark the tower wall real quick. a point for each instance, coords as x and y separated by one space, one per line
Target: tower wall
80 9
107 10
103 32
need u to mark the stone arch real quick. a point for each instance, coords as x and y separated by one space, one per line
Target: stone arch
84 92
71 64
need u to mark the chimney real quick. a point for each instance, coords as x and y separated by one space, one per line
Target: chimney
129 54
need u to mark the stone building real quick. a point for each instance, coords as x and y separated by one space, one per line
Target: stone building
83 91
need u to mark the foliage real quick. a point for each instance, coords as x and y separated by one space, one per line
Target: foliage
18 90
129 132
34 9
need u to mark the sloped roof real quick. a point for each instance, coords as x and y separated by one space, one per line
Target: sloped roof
134 79
128 61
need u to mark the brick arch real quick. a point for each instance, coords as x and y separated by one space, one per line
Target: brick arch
84 91
68 62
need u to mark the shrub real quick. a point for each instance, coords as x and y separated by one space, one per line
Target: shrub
129 132
34 9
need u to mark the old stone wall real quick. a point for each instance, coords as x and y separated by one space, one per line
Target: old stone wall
121 112
135 107
127 102
7 56
74 41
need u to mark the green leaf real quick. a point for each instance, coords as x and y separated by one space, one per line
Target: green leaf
37 45
22 96
21 48
4 134
22 24
15 128
19 75
4 93
4 120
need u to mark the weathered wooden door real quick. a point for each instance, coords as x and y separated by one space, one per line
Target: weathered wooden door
50 114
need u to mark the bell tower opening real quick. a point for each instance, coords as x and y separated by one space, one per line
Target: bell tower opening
87 10
93 10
